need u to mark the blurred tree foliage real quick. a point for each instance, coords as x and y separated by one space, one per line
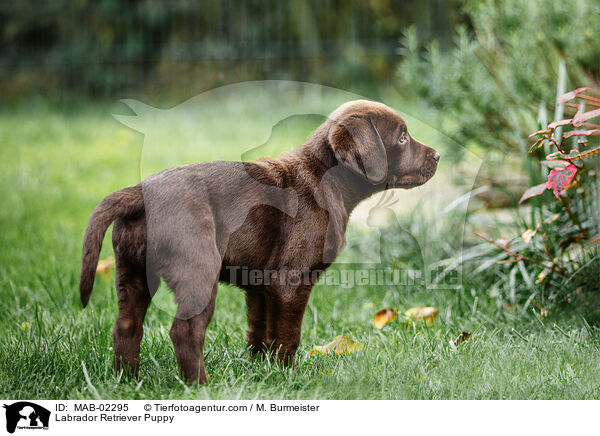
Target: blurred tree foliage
504 64
106 47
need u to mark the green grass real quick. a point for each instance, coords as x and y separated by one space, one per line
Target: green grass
54 168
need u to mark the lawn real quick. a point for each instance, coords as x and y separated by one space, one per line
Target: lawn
55 165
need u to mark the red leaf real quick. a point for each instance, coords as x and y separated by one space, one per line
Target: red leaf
582 133
533 191
580 118
558 179
570 95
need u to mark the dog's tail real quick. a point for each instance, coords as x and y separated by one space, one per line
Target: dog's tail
127 202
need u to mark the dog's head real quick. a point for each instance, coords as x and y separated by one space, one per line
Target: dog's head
371 140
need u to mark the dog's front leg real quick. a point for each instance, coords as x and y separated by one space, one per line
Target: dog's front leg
257 321
285 310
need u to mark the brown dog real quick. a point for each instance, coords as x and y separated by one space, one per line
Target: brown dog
281 219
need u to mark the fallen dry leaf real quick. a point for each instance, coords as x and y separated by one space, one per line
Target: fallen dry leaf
422 313
464 336
339 345
105 266
384 316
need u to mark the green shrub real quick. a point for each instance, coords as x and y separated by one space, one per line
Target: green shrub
490 85
555 251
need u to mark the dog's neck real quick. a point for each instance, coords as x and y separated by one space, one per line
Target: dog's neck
352 187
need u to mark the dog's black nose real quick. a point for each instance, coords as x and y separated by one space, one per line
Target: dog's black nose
436 156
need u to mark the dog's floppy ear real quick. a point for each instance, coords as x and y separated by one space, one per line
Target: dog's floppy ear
358 146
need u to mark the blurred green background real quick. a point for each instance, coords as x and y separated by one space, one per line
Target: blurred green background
485 67
180 48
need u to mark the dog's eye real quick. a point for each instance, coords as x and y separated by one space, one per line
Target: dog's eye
403 139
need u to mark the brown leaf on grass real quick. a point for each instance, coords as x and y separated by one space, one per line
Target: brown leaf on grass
105 266
339 345
384 316
427 314
464 336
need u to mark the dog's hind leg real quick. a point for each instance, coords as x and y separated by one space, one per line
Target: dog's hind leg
182 248
192 271
135 286
134 298
188 340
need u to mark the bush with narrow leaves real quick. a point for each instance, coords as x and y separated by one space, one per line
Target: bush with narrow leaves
563 235
488 87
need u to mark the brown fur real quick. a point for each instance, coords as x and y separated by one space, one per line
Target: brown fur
197 224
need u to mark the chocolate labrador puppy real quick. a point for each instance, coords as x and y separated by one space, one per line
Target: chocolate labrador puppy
283 220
